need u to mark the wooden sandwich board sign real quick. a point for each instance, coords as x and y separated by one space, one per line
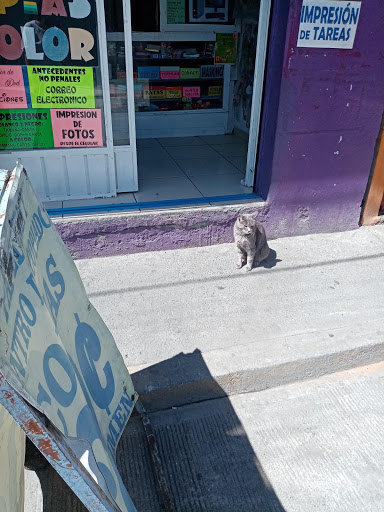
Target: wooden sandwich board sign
62 378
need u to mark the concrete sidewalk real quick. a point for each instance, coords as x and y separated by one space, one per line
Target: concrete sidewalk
186 320
264 389
310 446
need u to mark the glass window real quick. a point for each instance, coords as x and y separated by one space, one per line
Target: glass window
117 72
50 78
177 76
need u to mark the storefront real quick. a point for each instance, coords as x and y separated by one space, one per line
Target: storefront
85 85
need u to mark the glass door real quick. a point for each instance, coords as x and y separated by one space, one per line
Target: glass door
120 73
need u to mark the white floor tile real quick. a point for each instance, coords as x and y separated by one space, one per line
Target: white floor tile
166 168
231 149
222 139
207 166
225 184
153 153
147 143
238 161
165 189
121 198
169 142
187 152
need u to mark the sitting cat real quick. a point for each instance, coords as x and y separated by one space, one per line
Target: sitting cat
251 241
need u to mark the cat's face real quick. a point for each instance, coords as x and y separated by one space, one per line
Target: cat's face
246 223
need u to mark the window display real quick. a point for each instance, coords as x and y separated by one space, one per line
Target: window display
177 76
208 11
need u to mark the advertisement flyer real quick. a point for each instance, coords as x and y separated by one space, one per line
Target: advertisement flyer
61 87
191 92
189 73
12 90
175 11
154 93
226 45
328 24
77 128
25 129
60 33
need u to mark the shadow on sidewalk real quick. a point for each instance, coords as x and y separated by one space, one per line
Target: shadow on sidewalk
207 458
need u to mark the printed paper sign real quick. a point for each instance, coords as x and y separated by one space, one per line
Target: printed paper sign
175 11
154 93
25 129
49 33
55 349
77 128
170 75
212 71
174 92
191 92
12 90
138 91
148 73
189 73
226 46
215 90
61 87
328 24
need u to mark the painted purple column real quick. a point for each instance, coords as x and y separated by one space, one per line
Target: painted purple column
329 112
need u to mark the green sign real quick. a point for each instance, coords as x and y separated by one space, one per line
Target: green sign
175 11
61 87
226 45
189 73
25 129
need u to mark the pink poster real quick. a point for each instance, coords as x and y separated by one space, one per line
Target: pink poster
170 75
191 92
12 90
77 128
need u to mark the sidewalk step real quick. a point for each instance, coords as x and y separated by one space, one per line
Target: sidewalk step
197 376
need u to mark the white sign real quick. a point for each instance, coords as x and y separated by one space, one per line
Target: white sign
55 350
328 24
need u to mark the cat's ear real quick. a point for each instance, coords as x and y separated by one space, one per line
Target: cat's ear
240 217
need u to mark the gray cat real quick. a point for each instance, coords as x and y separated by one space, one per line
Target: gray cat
251 241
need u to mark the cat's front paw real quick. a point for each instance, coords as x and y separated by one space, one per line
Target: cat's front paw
239 265
248 268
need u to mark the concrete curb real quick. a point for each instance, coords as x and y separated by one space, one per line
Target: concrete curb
109 235
190 378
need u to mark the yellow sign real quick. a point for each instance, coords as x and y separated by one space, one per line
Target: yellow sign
174 92
215 90
154 93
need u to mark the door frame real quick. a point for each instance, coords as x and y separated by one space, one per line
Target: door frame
258 89
125 156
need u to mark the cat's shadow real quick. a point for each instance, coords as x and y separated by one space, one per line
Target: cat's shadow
271 261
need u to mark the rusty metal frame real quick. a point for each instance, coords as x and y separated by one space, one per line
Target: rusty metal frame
53 446
161 481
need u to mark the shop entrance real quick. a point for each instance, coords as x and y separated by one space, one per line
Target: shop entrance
197 96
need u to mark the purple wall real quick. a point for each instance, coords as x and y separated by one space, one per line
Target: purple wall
314 168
